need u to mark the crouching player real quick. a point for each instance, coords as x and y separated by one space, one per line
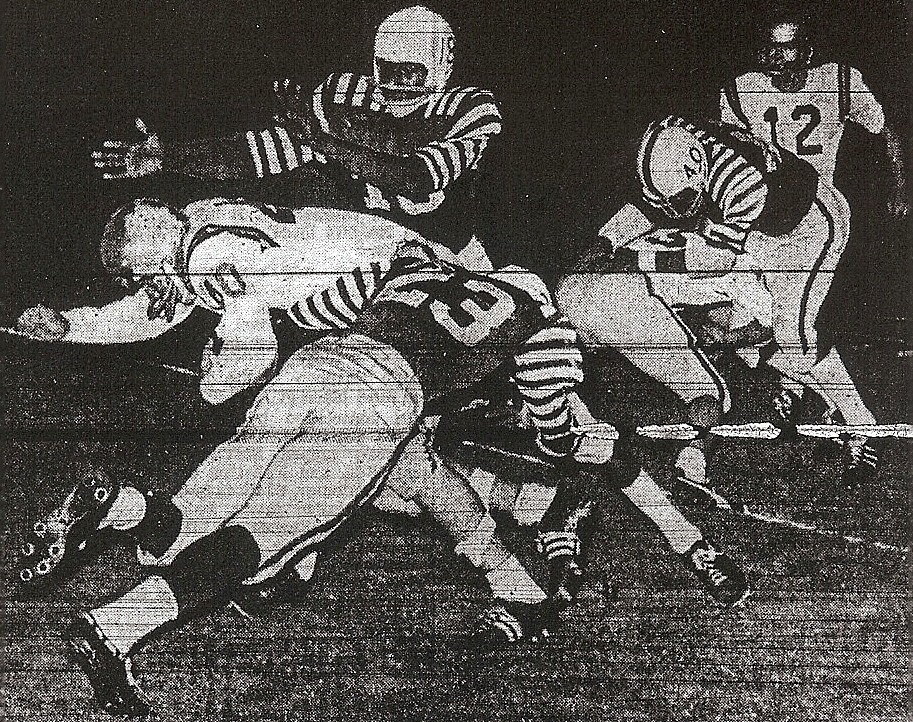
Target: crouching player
325 432
708 190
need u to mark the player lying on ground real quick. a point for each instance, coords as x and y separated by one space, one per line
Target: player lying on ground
338 420
398 141
723 210
802 104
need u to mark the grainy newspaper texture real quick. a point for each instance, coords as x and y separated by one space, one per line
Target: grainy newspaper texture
471 361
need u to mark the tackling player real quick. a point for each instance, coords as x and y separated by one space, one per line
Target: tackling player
802 106
338 420
399 142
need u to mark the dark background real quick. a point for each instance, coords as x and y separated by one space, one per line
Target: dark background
576 83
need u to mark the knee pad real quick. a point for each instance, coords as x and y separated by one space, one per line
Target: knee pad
160 526
213 566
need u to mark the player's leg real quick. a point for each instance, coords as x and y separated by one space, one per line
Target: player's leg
719 574
622 311
440 487
815 247
336 416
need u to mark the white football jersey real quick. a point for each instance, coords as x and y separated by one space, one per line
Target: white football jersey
809 122
279 255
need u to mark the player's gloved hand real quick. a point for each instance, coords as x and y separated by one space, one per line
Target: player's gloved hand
118 159
43 323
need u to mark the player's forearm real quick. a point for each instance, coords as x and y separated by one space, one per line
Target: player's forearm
123 321
250 154
408 177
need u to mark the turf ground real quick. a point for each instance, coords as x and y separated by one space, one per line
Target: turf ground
825 635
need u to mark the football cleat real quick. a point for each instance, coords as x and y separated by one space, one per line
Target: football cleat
505 624
108 669
691 465
786 406
860 461
562 550
566 533
67 528
719 574
263 598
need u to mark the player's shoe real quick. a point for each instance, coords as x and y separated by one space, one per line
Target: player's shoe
67 528
109 670
720 575
860 461
562 551
786 407
263 598
505 624
691 465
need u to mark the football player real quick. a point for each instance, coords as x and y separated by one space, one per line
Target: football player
708 193
802 105
339 419
399 141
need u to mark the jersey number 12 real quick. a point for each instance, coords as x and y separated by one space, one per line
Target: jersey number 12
810 112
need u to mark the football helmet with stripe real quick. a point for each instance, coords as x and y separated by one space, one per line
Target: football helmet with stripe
673 166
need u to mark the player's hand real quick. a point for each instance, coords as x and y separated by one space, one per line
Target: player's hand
898 205
294 103
118 159
42 323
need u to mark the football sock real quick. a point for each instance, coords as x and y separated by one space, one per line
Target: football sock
512 583
653 503
129 618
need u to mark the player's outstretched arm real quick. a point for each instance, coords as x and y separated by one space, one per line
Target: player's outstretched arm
248 154
123 321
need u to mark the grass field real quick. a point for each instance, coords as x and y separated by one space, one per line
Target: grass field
825 636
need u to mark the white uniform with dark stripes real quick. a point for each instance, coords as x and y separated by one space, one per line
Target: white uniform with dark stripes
799 267
809 122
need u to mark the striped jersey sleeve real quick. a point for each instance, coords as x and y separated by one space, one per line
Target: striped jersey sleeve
276 150
475 121
338 305
547 367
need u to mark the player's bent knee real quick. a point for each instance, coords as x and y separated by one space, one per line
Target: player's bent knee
622 471
213 566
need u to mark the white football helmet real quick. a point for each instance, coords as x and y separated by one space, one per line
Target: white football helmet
142 245
673 169
413 55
